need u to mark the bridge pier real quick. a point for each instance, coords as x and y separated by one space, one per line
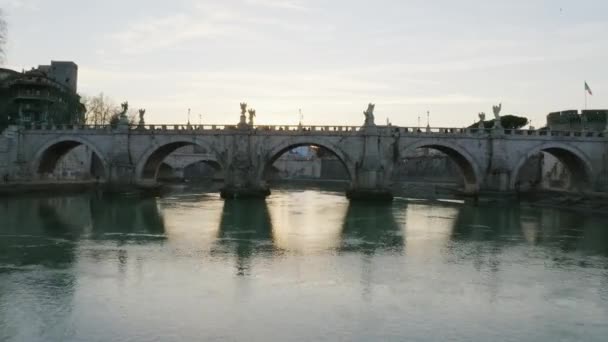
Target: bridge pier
122 173
242 183
242 177
121 179
370 178
497 182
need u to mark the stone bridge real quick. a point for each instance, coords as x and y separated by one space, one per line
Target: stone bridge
490 159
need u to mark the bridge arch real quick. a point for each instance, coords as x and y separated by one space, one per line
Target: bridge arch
281 148
46 158
575 160
464 160
151 160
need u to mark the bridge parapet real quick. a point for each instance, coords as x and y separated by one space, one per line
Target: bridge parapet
231 129
316 130
67 127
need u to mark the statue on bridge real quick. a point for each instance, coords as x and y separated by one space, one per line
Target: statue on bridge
142 112
122 116
369 115
482 118
251 116
125 108
497 109
243 119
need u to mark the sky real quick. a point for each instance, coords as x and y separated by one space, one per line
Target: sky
327 58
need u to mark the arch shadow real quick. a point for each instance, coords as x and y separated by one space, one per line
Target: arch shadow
466 163
47 157
211 163
576 161
150 162
216 174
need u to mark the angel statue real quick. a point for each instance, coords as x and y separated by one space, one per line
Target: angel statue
125 108
142 112
243 119
251 116
369 115
122 115
496 110
482 118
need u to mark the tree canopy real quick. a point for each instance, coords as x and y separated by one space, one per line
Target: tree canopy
507 122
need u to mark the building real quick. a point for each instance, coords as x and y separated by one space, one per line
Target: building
571 120
43 95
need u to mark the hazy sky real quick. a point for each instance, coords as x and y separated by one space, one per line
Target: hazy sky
329 58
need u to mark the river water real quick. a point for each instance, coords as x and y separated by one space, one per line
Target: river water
305 265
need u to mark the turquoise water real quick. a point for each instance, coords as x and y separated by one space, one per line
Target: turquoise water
305 265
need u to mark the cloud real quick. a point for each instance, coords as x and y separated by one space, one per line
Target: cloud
29 5
280 4
161 32
205 21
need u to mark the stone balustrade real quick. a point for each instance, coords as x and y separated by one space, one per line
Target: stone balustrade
317 130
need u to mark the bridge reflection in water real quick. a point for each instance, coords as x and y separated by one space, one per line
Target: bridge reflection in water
371 227
293 222
69 261
245 232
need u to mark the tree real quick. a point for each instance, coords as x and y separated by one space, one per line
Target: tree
507 122
513 122
2 37
102 110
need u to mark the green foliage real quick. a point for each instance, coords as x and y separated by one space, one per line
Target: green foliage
507 122
513 122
